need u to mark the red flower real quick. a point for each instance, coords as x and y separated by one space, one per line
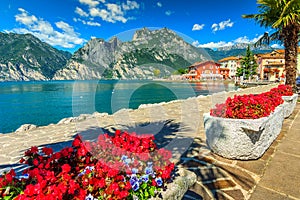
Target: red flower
66 168
47 151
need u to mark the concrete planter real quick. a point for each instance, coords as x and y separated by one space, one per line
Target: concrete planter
289 105
243 139
179 186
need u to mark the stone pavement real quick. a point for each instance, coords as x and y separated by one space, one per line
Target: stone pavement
281 179
274 176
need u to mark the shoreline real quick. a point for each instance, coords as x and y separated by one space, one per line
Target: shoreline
165 83
84 116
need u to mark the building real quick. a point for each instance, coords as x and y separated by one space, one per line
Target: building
271 66
207 70
229 65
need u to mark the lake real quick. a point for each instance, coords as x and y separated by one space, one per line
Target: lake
42 103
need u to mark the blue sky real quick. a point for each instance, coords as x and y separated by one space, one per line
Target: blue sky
69 24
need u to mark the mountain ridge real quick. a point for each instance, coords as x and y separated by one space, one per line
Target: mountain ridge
150 54
25 57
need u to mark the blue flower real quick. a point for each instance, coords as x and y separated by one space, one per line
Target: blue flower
150 164
89 197
133 179
123 158
24 176
159 181
149 170
135 186
145 178
134 170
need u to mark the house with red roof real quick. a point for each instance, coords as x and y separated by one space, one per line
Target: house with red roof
207 70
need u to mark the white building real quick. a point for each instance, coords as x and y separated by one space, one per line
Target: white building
231 63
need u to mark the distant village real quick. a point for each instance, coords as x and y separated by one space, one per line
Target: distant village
270 67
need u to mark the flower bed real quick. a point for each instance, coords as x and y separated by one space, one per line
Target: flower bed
245 126
122 166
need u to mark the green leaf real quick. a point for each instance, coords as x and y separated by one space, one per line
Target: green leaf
143 186
152 190
146 194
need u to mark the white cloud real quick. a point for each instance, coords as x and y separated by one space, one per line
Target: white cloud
80 12
24 18
90 3
42 29
109 12
198 27
168 12
215 45
130 5
222 25
90 23
195 43
112 15
159 4
245 39
277 46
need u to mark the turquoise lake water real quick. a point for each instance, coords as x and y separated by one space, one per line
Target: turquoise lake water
42 103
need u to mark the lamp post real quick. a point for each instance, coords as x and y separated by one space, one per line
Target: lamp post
250 74
243 72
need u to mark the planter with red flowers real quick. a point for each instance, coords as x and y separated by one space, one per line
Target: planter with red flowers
290 99
244 126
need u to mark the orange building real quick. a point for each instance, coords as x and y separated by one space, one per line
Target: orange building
207 70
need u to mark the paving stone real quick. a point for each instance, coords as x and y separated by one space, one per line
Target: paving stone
294 134
261 193
220 195
206 174
219 184
267 155
202 191
242 178
218 159
255 166
285 169
291 147
234 193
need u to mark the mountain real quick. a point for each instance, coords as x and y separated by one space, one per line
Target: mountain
25 57
150 54
236 50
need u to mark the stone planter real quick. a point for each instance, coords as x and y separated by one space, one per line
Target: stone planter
289 105
243 139
179 186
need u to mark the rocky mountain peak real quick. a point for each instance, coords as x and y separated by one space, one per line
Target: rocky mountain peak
141 34
115 42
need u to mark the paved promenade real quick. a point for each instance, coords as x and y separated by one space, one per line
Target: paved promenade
178 126
274 176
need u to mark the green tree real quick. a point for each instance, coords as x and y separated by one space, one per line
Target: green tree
248 65
283 16
156 72
182 71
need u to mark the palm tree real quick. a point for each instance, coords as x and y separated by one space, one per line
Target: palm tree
284 17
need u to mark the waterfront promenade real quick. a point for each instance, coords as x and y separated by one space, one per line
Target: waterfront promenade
178 126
